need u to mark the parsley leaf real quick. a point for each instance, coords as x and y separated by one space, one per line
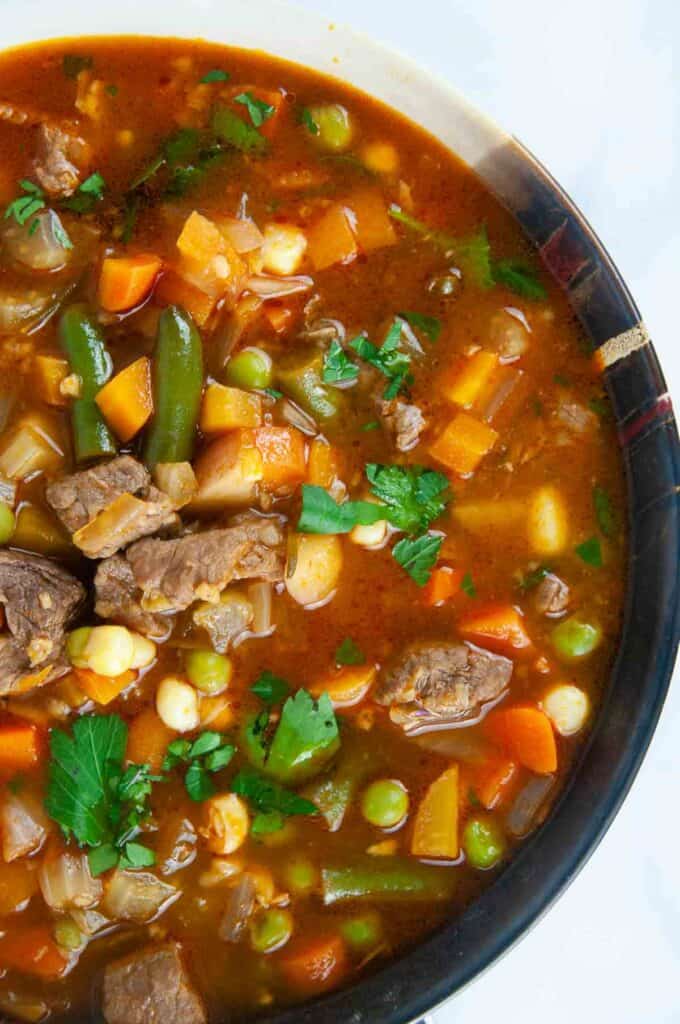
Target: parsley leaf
604 512
87 195
337 366
418 556
72 64
371 425
264 824
306 736
321 514
473 253
235 132
519 278
389 359
267 796
198 784
215 75
103 858
23 208
415 496
430 326
269 688
137 856
307 119
208 753
468 585
348 653
590 551
533 578
258 110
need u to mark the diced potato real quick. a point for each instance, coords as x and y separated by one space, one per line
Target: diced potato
227 408
177 480
567 707
228 472
283 249
493 514
463 444
208 260
467 381
227 823
380 157
547 522
331 239
373 226
30 450
314 567
173 289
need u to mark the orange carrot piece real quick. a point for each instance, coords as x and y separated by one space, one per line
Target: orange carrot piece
225 408
323 465
173 290
216 713
463 444
346 686
492 780
126 401
435 830
280 317
443 584
18 882
373 226
468 380
331 239
499 627
527 735
103 689
317 965
33 951
148 738
283 456
48 374
125 281
22 745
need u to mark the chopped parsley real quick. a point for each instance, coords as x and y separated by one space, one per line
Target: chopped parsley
519 278
207 754
590 551
23 208
473 253
430 326
87 195
72 64
389 359
604 512
349 653
258 110
414 496
468 585
321 514
337 366
271 689
307 119
235 132
533 578
371 425
215 75
418 556
272 801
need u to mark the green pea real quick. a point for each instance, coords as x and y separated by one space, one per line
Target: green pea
301 876
67 934
385 803
362 932
76 642
208 672
251 368
483 843
271 930
575 639
334 124
7 522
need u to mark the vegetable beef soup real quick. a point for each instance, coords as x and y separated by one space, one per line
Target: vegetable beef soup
312 527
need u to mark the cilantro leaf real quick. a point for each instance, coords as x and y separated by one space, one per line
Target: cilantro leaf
176 752
87 195
533 578
348 653
273 393
590 551
321 514
60 233
418 556
219 758
430 326
519 278
269 688
215 75
389 359
23 208
415 496
337 366
307 119
206 742
267 796
258 110
235 132
604 512
468 585
72 64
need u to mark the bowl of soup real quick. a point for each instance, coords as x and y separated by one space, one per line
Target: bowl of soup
338 521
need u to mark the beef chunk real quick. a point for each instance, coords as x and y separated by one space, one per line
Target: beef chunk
172 574
445 679
405 422
109 506
225 621
39 598
117 599
60 159
151 986
552 596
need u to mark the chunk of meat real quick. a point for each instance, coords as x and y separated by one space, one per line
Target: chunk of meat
225 621
151 986
172 574
110 506
552 596
60 159
117 599
39 598
405 422
448 679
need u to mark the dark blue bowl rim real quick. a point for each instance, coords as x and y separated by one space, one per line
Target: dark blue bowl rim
416 982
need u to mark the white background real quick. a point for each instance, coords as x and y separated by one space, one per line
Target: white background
590 87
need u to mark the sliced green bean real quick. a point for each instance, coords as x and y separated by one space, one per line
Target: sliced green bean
177 387
88 357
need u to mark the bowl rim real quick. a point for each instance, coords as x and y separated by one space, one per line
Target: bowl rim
440 965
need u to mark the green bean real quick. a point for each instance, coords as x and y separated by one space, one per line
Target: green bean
83 343
399 879
177 387
7 522
483 843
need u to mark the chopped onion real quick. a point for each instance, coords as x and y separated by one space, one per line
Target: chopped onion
177 480
230 333
66 882
324 330
24 825
28 309
39 248
522 816
268 287
260 595
137 896
243 233
294 415
239 907
176 844
460 744
90 922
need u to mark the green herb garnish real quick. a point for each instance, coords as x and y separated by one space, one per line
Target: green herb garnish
473 253
215 75
207 754
337 366
418 556
349 653
258 110
371 425
519 278
590 551
271 689
237 133
273 393
604 511
23 208
87 195
414 496
468 585
533 578
321 514
430 326
272 801
389 359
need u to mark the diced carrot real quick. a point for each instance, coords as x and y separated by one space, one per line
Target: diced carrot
435 830
499 627
226 408
463 444
22 745
148 738
49 372
331 239
208 259
466 383
18 882
125 281
126 401
280 317
103 689
33 951
442 585
174 290
373 226
346 686
323 465
216 713
317 965
527 735
492 779
283 456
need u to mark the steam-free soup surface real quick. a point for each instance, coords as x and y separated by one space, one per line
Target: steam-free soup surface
312 534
